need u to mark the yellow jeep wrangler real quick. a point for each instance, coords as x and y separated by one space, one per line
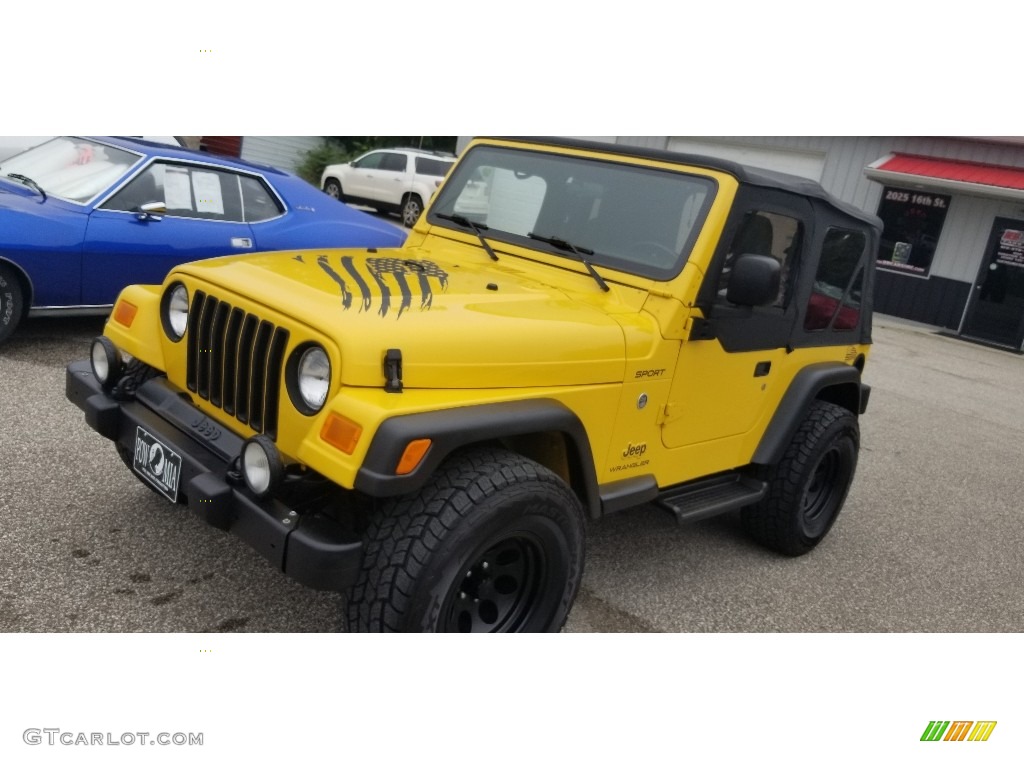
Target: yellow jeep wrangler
571 329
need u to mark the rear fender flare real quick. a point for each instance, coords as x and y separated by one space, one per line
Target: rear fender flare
833 382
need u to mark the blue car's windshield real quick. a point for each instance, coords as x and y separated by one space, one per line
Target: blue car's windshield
71 168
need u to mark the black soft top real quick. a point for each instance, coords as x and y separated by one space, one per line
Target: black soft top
745 174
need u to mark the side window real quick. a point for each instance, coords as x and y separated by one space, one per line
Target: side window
767 234
428 166
394 162
369 162
193 192
258 202
836 295
139 191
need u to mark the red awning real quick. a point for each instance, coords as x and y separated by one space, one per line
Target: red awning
918 171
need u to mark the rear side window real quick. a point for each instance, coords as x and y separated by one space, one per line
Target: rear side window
428 166
393 162
836 296
258 203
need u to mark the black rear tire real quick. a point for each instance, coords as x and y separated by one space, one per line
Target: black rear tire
12 302
412 207
494 543
808 487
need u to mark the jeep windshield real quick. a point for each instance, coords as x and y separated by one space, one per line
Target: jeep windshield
634 219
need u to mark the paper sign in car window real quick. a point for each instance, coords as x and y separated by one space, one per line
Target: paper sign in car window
177 192
209 198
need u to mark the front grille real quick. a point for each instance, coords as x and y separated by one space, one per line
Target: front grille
234 361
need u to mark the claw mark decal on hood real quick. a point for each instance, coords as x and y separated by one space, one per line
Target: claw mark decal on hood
364 289
380 270
346 294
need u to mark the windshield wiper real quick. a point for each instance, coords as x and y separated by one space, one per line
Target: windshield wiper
27 182
581 253
462 221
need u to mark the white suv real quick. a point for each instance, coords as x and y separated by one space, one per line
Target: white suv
392 180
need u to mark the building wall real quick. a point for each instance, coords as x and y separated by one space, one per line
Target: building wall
283 152
838 163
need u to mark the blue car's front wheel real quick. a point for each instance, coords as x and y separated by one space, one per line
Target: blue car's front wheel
11 302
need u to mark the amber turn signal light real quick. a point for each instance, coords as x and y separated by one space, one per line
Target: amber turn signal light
125 312
340 432
412 456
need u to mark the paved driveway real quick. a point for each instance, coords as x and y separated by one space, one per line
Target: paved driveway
930 538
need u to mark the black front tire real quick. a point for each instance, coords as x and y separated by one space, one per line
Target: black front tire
12 302
808 487
494 543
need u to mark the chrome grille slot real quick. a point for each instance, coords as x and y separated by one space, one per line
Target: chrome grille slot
234 361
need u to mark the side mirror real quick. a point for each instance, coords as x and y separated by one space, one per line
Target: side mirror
754 281
150 211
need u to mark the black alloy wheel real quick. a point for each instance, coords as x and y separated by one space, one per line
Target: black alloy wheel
493 543
500 591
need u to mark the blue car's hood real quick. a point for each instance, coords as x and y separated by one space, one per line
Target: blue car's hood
27 221
18 197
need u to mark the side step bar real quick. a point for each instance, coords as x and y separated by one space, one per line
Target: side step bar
707 498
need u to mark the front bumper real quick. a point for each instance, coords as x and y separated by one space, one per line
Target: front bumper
312 549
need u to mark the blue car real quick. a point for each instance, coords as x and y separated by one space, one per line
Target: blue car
81 218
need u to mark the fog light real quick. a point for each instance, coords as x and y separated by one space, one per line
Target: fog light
107 366
262 467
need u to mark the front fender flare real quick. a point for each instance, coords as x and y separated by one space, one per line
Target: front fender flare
453 428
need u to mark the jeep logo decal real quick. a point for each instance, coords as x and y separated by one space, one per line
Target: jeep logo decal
400 270
634 450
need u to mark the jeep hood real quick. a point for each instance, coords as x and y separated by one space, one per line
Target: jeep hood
458 325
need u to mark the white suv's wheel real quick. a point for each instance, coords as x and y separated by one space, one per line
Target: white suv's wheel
332 187
412 207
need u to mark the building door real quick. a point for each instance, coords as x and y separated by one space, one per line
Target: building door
996 311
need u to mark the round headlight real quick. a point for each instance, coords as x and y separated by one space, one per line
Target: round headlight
176 312
314 378
106 361
261 465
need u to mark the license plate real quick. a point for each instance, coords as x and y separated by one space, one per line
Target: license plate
157 464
